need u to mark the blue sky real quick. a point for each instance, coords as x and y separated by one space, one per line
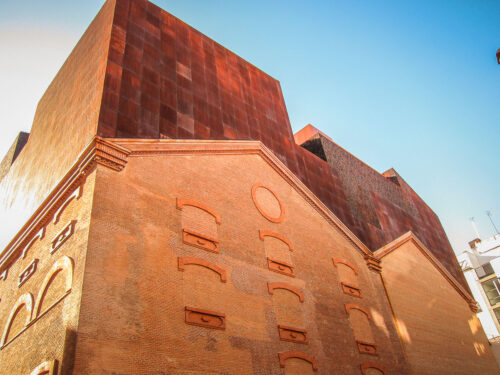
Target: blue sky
410 85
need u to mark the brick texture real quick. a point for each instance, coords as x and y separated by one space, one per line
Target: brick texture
431 328
52 336
132 318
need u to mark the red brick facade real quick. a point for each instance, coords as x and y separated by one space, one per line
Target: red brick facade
173 226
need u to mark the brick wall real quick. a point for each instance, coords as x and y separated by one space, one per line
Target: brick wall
50 334
439 332
133 317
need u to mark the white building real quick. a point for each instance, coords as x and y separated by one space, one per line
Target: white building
481 267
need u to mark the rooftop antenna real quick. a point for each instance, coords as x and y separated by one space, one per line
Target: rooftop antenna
474 227
488 212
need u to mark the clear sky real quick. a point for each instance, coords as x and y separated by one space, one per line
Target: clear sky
410 85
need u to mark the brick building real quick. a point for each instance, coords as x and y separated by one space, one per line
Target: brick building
167 221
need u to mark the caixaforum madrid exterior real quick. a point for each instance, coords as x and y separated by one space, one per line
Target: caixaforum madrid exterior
173 224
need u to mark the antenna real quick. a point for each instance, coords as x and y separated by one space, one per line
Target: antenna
474 227
488 213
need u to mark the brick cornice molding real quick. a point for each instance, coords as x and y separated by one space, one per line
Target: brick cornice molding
99 151
109 154
373 263
412 238
158 147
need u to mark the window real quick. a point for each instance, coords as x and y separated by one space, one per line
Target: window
492 289
497 314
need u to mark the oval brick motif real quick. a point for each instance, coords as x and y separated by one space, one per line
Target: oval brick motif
267 203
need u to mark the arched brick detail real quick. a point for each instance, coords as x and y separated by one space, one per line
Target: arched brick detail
46 368
367 365
63 264
184 261
262 212
76 194
38 236
347 263
291 288
296 354
269 233
350 306
26 300
189 202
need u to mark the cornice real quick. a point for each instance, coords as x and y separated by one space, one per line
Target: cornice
158 147
98 151
411 237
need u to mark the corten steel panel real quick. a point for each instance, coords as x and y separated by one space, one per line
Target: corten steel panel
167 80
13 153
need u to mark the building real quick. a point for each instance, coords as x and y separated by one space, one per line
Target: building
481 268
166 220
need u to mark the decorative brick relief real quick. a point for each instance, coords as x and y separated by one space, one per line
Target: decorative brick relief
359 318
4 274
285 286
366 348
280 267
293 334
473 306
297 354
199 225
373 264
76 194
26 301
38 236
337 261
189 202
269 233
27 272
205 318
350 306
260 204
351 290
371 365
183 261
201 241
46 368
63 266
63 236
348 274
